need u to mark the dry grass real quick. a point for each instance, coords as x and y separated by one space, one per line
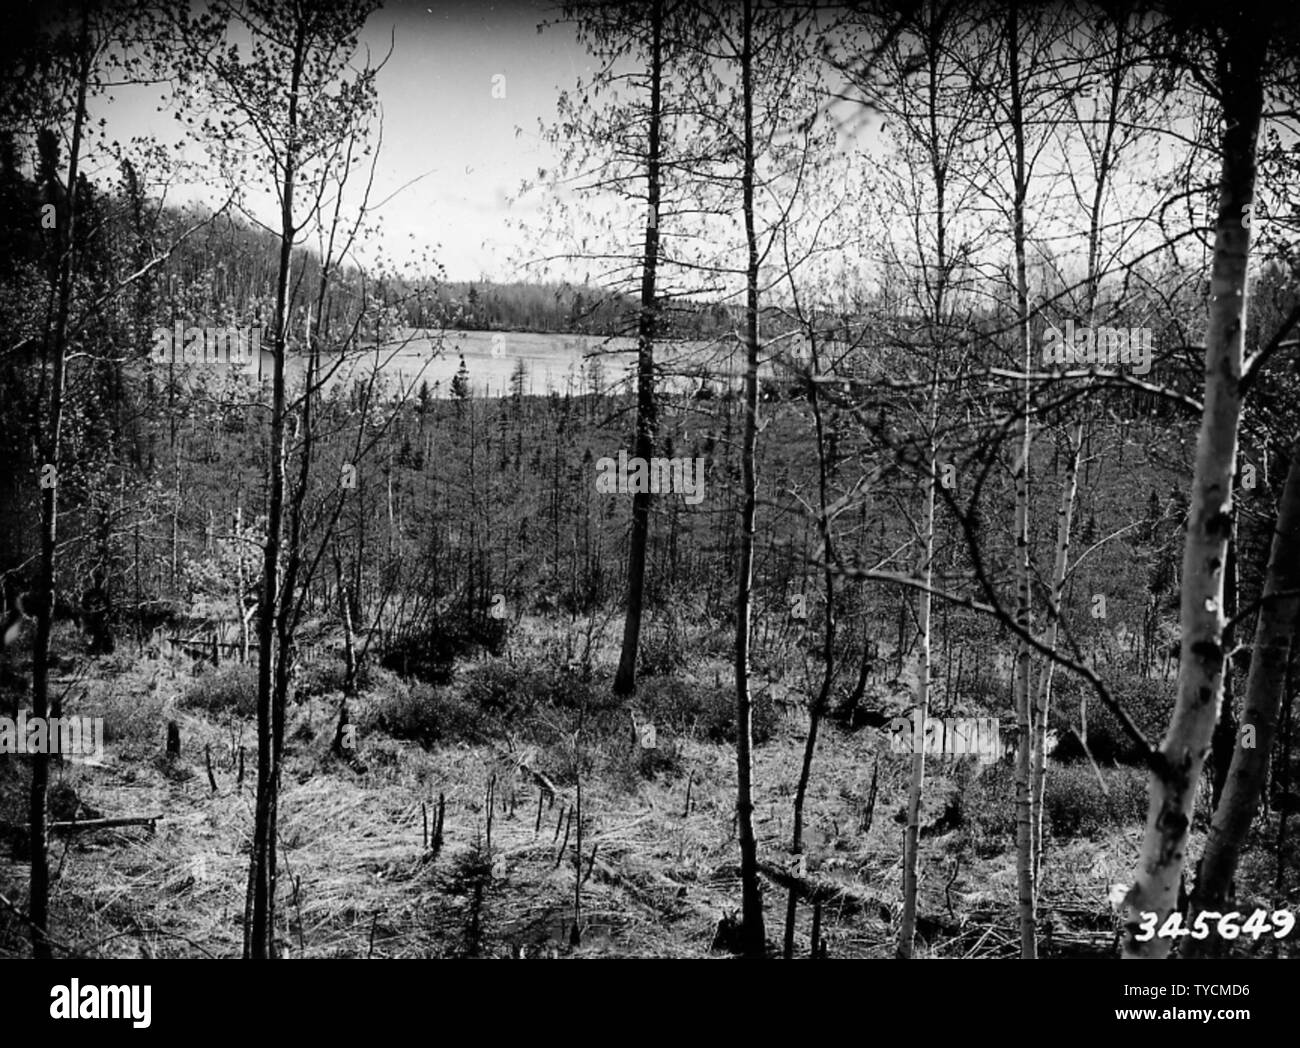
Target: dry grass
356 879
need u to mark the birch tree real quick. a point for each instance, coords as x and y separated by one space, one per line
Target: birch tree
751 900
293 100
1106 125
1279 611
931 110
1021 680
1239 45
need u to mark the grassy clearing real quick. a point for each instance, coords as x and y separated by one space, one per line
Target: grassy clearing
659 855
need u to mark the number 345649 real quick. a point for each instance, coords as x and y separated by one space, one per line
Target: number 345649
1211 922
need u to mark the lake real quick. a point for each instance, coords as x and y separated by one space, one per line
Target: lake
553 362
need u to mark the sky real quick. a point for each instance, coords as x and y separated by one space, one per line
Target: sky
460 100
441 118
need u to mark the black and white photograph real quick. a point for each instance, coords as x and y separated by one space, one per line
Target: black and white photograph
665 480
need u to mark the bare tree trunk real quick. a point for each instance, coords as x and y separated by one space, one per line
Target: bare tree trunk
259 933
751 900
1200 670
349 656
646 412
1224 741
1069 491
56 355
1282 780
345 616
916 786
176 512
240 584
1024 574
1043 701
818 708
1265 685
936 147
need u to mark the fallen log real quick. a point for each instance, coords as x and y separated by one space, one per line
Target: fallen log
812 890
539 778
90 825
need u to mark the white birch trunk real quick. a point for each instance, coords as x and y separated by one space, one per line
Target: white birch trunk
1181 756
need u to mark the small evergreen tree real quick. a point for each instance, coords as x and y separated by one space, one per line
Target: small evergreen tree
518 381
460 384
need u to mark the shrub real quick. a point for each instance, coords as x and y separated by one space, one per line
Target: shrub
132 720
423 713
508 690
684 707
1073 803
1149 702
663 647
719 716
232 687
430 654
628 765
672 703
990 805
325 676
1075 806
421 656
984 688
497 695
